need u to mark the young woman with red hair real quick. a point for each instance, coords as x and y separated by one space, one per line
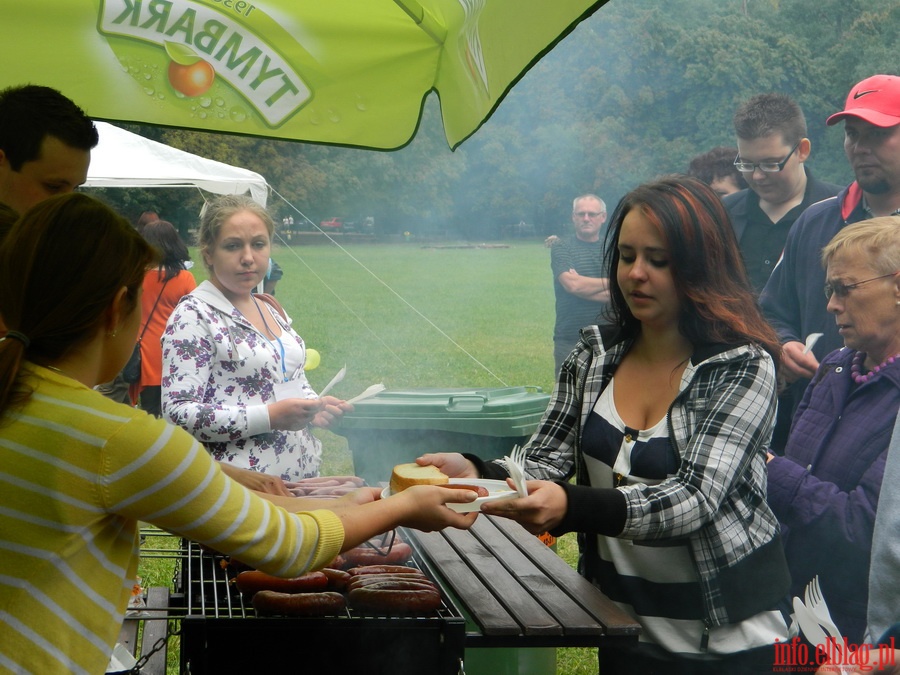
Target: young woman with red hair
664 419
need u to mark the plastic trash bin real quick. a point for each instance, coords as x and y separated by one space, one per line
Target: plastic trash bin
398 426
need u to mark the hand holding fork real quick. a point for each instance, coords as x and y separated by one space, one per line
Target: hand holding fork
515 464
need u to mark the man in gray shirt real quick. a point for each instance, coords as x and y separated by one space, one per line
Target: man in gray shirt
581 290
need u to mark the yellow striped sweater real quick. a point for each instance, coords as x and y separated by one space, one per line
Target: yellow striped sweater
77 472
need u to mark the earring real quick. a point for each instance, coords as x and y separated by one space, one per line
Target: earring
115 331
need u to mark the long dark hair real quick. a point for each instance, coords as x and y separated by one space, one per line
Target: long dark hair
717 301
163 236
61 266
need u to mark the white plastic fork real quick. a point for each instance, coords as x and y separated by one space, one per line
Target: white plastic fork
812 629
815 603
515 464
809 626
334 380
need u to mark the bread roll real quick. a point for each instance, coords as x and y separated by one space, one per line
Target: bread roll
407 475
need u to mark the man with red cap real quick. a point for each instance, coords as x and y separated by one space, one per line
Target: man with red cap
792 299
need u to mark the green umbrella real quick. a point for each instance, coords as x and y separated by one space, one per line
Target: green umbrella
348 72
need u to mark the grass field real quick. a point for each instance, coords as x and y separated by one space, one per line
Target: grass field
412 315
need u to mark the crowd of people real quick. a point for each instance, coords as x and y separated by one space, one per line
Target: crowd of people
727 427
712 456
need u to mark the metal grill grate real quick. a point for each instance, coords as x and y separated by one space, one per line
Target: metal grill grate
211 592
221 633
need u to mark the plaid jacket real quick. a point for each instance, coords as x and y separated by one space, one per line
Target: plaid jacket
720 425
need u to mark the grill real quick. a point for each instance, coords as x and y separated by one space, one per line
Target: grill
220 632
516 594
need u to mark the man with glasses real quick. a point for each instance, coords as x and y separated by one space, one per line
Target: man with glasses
578 282
792 298
772 154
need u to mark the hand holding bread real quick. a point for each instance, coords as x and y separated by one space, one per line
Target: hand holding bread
451 463
406 475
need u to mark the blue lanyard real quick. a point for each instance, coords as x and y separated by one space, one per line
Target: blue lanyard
284 374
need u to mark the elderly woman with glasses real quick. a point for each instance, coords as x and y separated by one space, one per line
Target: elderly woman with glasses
825 488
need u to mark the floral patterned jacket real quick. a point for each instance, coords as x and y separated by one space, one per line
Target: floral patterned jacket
217 380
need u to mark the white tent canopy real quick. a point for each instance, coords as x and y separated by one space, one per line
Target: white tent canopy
124 159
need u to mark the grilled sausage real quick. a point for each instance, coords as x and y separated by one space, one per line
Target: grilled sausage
364 555
338 563
337 491
339 480
267 603
408 573
394 585
337 579
394 601
381 569
254 581
383 580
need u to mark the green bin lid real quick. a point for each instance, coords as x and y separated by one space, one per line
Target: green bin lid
507 411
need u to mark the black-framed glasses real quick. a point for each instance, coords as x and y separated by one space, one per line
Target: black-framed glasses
765 167
842 290
589 214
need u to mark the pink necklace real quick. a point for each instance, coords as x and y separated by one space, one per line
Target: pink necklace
856 367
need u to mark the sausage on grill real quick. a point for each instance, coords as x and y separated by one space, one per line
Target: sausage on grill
269 603
255 581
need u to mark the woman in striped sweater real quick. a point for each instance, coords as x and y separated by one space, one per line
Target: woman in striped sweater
78 471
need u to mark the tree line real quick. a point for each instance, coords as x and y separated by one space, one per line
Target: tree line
636 90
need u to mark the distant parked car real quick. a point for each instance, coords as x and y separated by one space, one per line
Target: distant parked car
333 224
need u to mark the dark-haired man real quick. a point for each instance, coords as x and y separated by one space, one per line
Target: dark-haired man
772 154
716 168
45 150
792 299
45 145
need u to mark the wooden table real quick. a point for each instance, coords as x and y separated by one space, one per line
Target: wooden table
517 591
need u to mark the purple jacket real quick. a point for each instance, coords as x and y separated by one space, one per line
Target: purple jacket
825 489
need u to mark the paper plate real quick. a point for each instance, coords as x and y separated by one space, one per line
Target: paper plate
497 489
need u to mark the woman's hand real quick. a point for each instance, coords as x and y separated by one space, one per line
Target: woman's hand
427 510
451 463
256 480
333 408
796 364
542 510
293 414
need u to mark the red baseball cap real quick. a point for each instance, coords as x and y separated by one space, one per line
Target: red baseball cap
875 100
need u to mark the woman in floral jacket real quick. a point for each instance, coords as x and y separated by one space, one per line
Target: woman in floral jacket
225 351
